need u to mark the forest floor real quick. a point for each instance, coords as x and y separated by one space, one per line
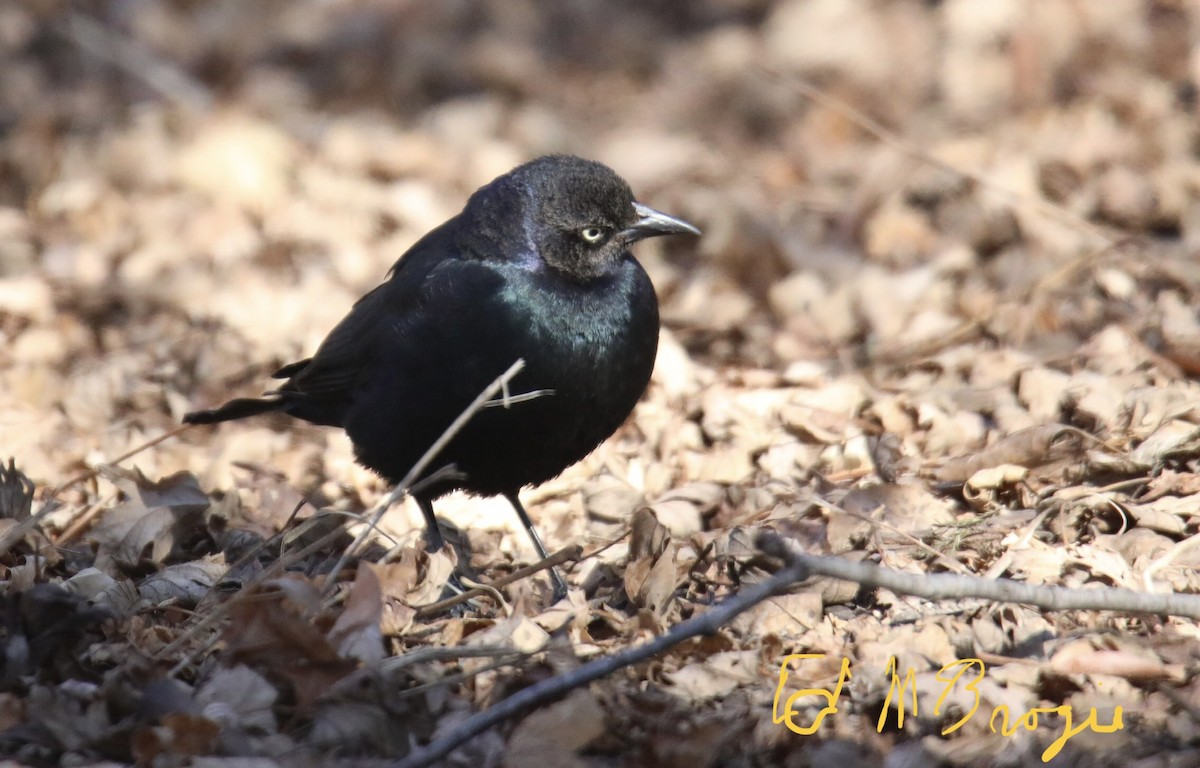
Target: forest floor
942 320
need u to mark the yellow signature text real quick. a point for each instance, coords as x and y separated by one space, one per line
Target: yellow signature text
902 695
831 697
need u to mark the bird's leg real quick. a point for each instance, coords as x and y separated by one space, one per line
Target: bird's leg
433 533
434 543
560 586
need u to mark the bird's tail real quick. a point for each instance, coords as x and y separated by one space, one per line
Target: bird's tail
236 409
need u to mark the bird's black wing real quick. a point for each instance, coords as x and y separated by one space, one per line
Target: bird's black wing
345 352
319 388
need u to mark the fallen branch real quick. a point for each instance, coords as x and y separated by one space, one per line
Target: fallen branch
704 624
798 566
945 586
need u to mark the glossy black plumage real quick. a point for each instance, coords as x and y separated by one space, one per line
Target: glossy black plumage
535 267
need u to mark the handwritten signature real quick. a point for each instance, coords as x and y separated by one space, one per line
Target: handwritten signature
951 675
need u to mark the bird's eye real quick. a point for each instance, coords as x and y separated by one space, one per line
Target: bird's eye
592 235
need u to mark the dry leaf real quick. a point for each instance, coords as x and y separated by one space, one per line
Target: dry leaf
715 676
1030 448
240 697
356 633
553 735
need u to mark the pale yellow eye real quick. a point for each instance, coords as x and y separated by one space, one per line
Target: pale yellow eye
592 235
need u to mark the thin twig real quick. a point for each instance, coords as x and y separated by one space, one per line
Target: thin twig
18 531
606 546
940 557
137 61
508 400
81 521
223 609
704 624
462 676
1004 561
486 590
1040 292
14 534
895 354
1171 556
433 653
93 472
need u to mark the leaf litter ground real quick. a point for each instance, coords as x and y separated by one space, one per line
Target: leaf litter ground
942 319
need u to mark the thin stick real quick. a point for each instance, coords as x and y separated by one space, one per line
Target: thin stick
83 519
431 653
1172 554
704 624
943 558
137 61
1004 561
606 546
220 611
89 474
508 400
18 531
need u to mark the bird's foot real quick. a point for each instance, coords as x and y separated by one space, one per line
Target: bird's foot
559 592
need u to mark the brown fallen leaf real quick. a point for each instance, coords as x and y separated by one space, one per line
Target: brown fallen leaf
178 734
1031 447
273 628
553 735
239 697
1080 658
715 676
356 632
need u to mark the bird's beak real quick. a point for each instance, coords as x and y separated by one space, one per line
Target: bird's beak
652 223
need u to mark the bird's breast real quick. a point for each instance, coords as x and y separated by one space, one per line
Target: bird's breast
584 339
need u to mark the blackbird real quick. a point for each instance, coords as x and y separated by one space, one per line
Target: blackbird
535 267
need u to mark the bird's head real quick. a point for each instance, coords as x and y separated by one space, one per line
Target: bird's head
581 217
